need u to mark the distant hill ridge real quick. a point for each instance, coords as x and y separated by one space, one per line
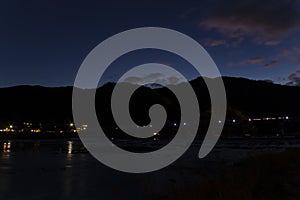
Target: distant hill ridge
245 98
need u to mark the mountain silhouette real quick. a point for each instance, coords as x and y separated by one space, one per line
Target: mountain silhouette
246 99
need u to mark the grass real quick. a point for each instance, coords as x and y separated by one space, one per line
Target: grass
269 176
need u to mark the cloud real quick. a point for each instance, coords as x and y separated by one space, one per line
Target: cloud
272 42
154 78
264 20
173 80
271 64
292 76
294 79
254 60
291 54
213 42
150 77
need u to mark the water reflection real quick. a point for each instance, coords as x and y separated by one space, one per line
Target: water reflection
6 147
6 150
36 146
70 147
69 153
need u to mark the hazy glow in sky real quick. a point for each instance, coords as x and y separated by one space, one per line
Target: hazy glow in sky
43 42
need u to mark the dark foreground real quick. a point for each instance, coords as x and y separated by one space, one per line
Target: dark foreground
235 169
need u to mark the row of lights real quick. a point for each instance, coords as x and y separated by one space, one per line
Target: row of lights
10 128
174 124
264 119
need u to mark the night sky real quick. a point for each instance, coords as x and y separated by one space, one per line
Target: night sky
44 42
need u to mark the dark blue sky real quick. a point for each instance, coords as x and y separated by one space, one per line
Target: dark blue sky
43 42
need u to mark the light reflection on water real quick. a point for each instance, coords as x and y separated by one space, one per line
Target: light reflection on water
65 147
61 169
70 147
6 151
69 154
47 164
6 147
